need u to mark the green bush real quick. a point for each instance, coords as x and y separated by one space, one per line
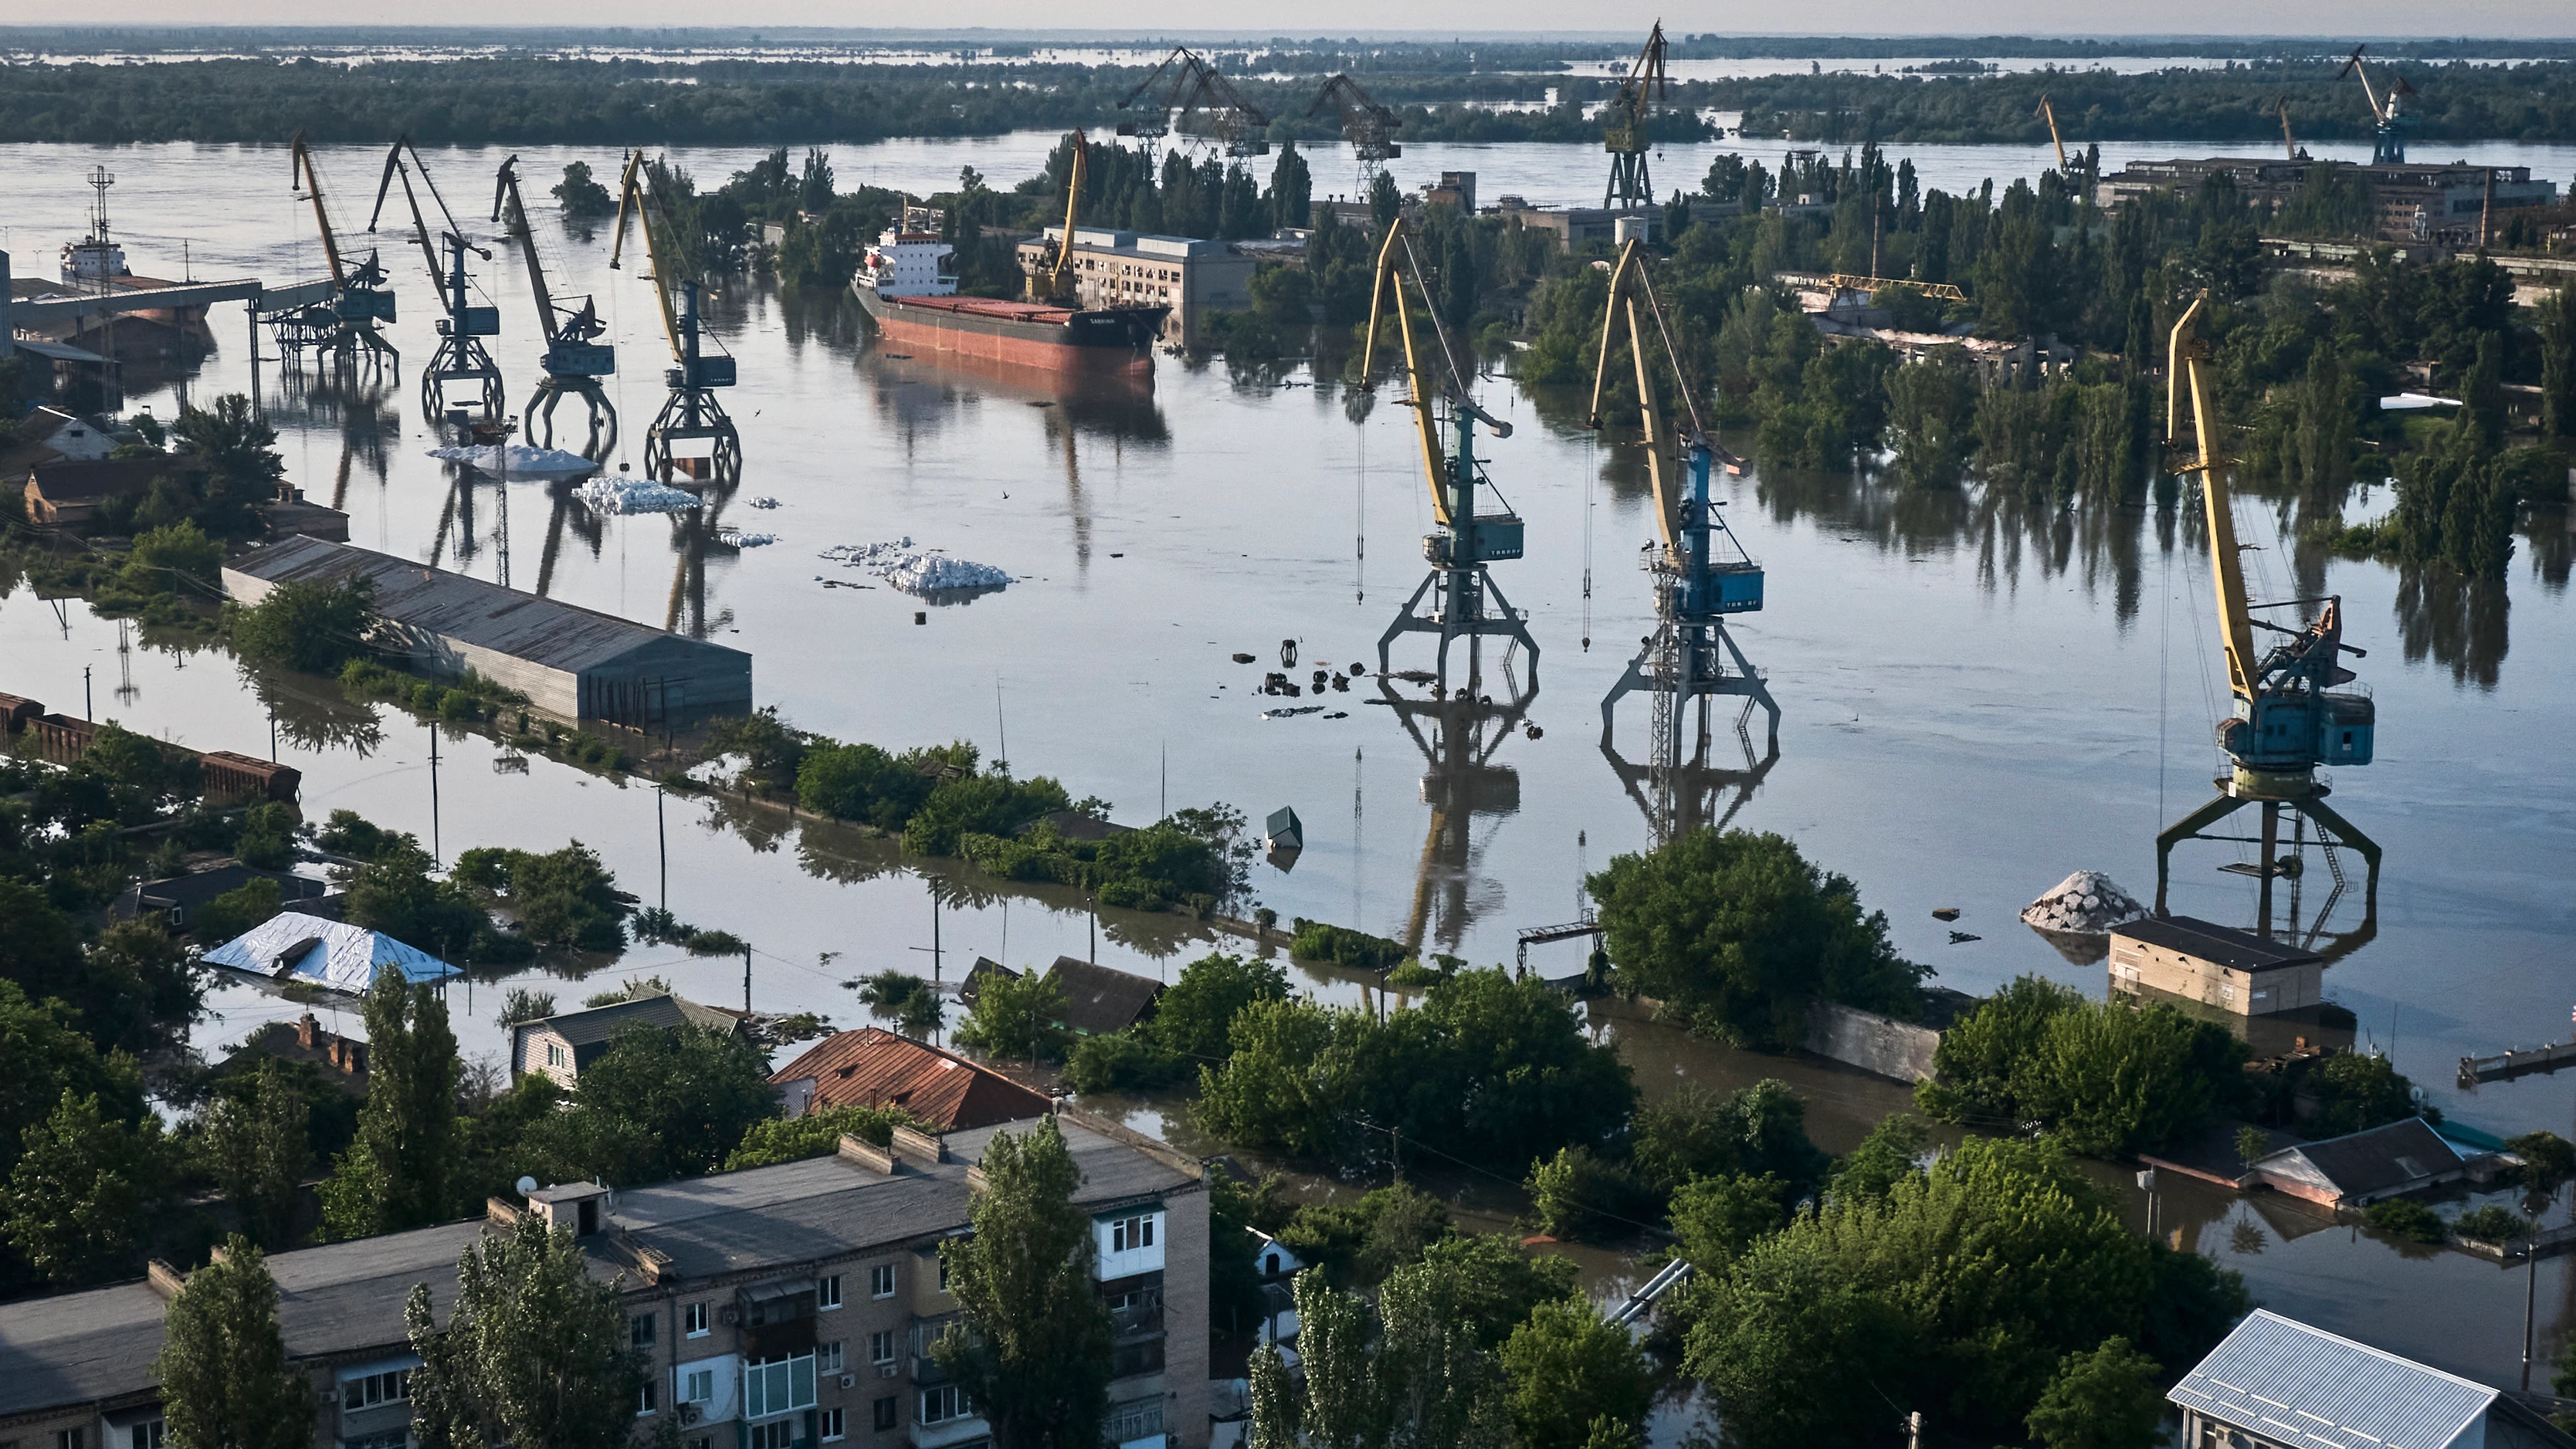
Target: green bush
2401 1217
787 1139
2108 1076
173 551
311 627
1342 946
1579 1197
2493 1223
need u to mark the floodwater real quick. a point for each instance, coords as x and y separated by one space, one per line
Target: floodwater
1978 699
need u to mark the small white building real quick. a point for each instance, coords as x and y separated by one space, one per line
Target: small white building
2276 1383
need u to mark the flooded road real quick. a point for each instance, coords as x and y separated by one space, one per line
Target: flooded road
1977 699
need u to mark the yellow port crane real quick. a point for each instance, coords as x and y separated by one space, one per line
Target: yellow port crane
460 358
691 413
1051 277
2048 112
1469 604
359 298
2289 147
2288 717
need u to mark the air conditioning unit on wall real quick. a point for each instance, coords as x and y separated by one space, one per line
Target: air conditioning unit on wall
849 1381
885 1370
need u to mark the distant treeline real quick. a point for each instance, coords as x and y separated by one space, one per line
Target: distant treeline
533 101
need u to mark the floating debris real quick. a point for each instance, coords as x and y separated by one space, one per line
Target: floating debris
2084 904
1339 714
1958 938
1291 713
916 571
1410 676
764 502
635 495
1243 659
518 459
740 539
1945 913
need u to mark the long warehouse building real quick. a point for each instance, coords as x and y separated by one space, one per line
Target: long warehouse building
572 663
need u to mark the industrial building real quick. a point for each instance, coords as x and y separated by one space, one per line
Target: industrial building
2277 1383
1191 276
572 663
785 1305
2235 971
2455 203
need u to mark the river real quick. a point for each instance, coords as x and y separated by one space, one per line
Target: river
1978 700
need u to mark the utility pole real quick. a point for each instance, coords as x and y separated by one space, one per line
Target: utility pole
2530 1290
436 857
662 844
89 710
746 978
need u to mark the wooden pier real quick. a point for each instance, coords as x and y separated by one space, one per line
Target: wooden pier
2517 1062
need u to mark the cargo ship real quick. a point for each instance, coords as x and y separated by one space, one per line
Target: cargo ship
908 284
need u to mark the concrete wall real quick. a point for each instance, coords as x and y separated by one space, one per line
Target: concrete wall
1879 1045
1185 1313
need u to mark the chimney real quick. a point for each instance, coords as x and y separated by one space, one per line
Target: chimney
304 1030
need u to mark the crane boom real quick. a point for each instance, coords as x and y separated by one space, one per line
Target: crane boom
1395 262
2050 112
508 208
1632 296
2187 372
2289 148
302 160
1367 125
1059 272
633 196
2353 66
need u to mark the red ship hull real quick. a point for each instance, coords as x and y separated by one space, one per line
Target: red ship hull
1109 340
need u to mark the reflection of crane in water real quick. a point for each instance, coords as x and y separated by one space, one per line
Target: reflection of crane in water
565 509
1684 660
1458 735
696 536
1061 429
2288 718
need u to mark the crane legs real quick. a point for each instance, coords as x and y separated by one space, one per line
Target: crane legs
2332 829
1463 611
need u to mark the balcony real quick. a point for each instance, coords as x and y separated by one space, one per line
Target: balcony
949 1432
1126 1325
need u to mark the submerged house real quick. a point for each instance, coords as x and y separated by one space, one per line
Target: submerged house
332 954
2277 1383
562 1045
2361 1168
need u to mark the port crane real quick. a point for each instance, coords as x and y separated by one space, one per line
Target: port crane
1368 127
460 358
2388 119
1051 276
1183 84
1626 138
575 359
1696 589
2288 717
2289 148
692 412
344 325
1469 603
2046 111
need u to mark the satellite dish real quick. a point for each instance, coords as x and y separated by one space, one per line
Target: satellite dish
527 1186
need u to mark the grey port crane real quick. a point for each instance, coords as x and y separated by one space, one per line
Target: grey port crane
1684 662
1625 138
460 359
692 413
343 328
1469 604
575 359
1368 126
2288 716
1183 85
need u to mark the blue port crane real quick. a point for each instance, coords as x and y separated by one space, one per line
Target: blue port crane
460 359
575 358
1703 574
343 327
2389 119
692 413
2289 717
1469 604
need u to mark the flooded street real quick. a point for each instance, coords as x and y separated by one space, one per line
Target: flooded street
1978 700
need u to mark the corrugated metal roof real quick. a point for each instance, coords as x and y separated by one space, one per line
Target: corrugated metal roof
876 1068
332 953
2378 1159
599 1023
2229 947
548 632
2288 1382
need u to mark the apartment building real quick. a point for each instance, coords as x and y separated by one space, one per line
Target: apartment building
786 1307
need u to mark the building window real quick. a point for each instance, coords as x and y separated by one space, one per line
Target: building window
1130 1233
827 1291
698 1386
554 1054
881 1281
881 1346
151 1434
1134 1419
365 1391
649 1400
943 1273
827 1359
831 1425
777 1386
778 1435
885 1414
695 1318
944 1403
390 1439
68 1439
642 1326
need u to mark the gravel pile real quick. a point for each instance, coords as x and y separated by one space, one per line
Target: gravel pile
916 571
2086 903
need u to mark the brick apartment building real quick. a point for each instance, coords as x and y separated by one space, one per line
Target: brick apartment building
785 1307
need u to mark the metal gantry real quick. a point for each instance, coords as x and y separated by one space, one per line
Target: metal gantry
1684 662
2288 718
341 326
1626 139
1183 85
1469 604
692 412
1368 127
575 359
460 358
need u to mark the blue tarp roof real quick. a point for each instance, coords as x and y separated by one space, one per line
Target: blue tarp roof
326 953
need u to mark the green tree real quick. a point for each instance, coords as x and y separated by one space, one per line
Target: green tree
255 1144
2558 364
238 453
396 893
2105 1398
309 626
535 1354
1737 931
1033 1350
164 556
906 1001
88 1190
1693 1132
1439 1383
789 1139
404 1159
2548 1162
1580 1197
1569 1369
1931 409
49 1059
1292 188
2356 1091
580 196
1892 1152
1020 1016
1194 1018
225 1380
1717 1218
660 1103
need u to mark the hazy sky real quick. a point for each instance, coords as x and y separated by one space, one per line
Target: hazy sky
2550 18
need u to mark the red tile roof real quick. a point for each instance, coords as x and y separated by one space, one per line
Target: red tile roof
876 1068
